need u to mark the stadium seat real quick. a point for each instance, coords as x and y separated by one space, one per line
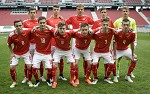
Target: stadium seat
132 2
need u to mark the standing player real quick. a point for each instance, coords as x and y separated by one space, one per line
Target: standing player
20 49
53 21
102 50
75 21
62 39
30 23
118 24
123 39
82 47
42 37
98 23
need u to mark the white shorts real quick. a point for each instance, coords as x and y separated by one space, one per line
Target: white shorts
108 58
85 53
58 54
38 57
32 47
127 53
27 59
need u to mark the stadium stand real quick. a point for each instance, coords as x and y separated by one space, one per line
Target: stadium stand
132 2
82 1
49 1
29 1
10 1
103 2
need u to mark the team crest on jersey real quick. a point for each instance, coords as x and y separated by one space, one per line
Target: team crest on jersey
62 42
124 41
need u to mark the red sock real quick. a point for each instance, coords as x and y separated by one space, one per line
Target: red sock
114 69
41 69
94 70
131 67
85 64
105 68
35 73
88 72
29 74
25 70
72 72
54 73
61 66
13 74
76 72
49 73
109 69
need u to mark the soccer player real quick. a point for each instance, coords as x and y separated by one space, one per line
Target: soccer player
30 23
102 50
118 24
53 21
75 21
63 49
82 47
42 36
98 23
123 39
18 43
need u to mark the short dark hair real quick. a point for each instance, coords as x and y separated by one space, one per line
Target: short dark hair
32 8
41 18
103 8
84 25
56 6
60 24
125 20
17 20
105 20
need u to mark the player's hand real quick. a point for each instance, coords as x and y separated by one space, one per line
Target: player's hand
91 31
134 58
114 57
11 56
61 17
76 30
34 28
113 29
56 32
131 30
49 27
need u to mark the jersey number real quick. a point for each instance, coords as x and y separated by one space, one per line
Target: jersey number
42 40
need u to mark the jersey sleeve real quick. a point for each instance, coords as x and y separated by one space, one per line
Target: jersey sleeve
133 37
9 40
90 21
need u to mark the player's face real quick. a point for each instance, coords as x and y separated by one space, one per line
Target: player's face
125 12
42 24
56 10
126 25
18 26
84 30
62 30
103 13
80 11
32 14
105 25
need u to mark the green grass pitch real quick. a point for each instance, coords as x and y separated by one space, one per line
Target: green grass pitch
141 84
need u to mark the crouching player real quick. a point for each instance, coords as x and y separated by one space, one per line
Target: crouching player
102 50
20 49
42 36
62 40
123 39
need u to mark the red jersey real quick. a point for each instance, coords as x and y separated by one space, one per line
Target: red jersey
53 22
102 41
42 41
30 24
63 41
77 20
123 39
20 41
82 42
98 23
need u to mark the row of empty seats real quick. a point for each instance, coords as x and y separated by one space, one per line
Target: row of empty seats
49 1
134 2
